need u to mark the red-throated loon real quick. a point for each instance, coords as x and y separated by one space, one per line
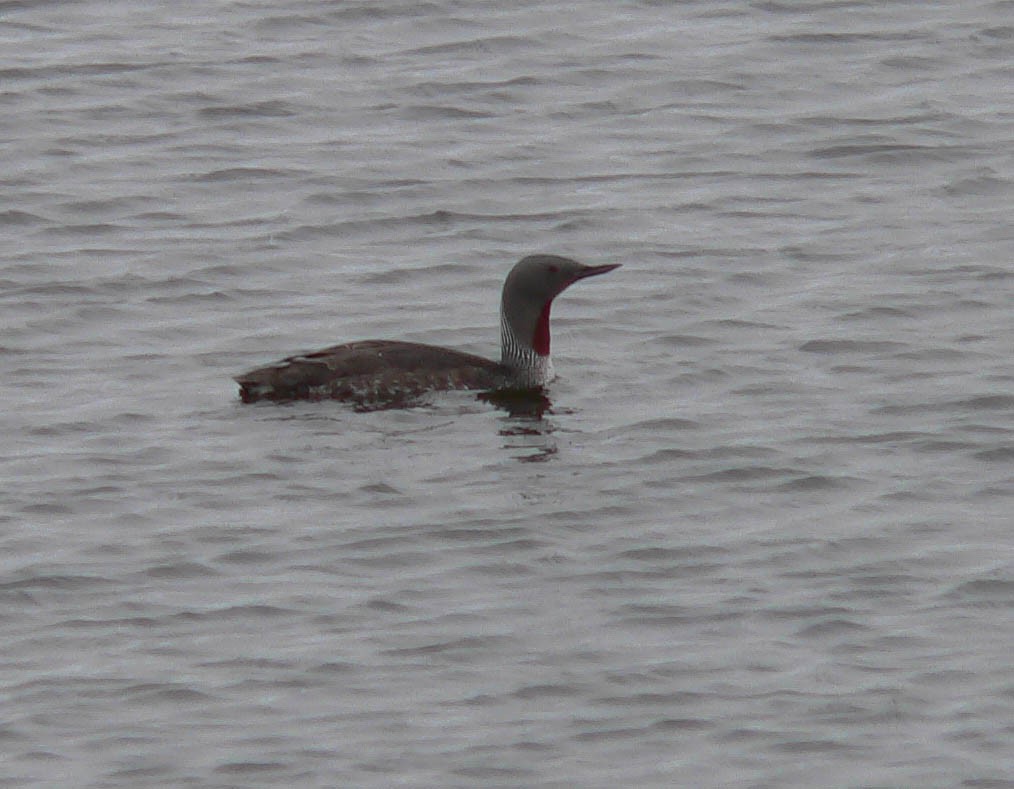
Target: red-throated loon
379 372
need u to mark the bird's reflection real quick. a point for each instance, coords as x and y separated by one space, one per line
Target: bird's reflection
529 403
525 427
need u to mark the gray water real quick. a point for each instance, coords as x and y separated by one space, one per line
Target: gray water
761 539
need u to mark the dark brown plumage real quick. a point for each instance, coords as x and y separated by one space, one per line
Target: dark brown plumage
370 371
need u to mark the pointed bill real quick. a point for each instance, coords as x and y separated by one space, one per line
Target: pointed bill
594 271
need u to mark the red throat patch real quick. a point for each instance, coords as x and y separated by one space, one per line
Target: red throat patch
540 340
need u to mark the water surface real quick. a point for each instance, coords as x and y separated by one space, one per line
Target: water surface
762 536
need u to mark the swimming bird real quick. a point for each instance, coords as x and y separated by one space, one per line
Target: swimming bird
385 373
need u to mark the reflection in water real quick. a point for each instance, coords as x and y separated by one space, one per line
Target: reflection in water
524 426
531 403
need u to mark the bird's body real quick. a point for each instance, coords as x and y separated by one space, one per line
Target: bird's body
393 372
371 371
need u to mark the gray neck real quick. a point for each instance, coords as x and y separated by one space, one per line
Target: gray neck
528 369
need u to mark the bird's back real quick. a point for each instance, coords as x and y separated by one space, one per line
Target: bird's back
369 373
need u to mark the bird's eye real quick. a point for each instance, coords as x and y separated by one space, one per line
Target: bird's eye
554 268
